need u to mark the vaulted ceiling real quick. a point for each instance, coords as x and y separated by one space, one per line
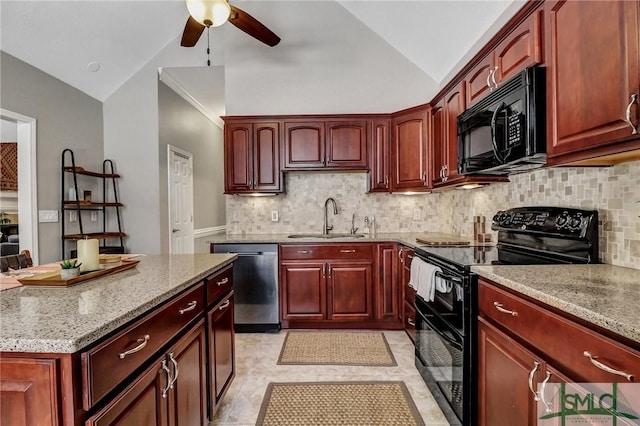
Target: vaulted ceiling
68 38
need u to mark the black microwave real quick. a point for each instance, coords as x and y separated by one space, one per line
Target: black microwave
505 133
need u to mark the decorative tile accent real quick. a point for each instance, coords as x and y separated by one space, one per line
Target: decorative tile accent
613 191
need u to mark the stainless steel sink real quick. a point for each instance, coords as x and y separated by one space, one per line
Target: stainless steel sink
326 236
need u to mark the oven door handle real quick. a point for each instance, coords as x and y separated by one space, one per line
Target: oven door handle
452 278
453 342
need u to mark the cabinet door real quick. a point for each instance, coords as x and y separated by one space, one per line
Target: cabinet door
521 49
238 153
29 391
188 392
504 369
388 295
304 145
303 290
346 144
438 142
221 350
478 81
266 157
454 105
409 151
144 402
380 162
591 75
350 291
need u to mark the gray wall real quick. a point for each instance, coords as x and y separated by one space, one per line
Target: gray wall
66 118
184 127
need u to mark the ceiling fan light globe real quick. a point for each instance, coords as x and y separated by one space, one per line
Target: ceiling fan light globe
210 13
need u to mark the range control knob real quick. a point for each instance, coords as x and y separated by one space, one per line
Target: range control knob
575 222
562 220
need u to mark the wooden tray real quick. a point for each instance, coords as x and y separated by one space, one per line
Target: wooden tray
53 279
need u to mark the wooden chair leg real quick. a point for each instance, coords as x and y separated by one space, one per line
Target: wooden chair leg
27 255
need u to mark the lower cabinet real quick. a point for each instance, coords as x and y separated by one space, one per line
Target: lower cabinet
172 391
523 347
388 297
409 293
221 350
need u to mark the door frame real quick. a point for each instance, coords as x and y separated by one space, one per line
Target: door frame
174 149
28 191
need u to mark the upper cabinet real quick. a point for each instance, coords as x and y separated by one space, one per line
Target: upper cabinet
380 152
593 81
410 162
521 48
322 144
252 157
444 131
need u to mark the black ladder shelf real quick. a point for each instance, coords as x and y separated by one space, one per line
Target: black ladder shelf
79 206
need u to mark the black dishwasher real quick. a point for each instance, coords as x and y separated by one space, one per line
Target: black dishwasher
255 284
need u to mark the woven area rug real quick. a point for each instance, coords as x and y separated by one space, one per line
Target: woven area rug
336 348
338 403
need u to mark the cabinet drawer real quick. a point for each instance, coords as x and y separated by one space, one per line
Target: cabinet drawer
107 365
326 251
409 294
219 284
561 340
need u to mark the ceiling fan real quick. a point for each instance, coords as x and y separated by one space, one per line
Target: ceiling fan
212 13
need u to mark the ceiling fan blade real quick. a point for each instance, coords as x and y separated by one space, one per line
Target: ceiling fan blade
192 32
253 27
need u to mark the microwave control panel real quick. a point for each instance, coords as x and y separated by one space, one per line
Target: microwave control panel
515 125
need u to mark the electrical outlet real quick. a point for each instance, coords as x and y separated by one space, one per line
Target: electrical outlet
73 216
45 216
94 216
417 214
274 215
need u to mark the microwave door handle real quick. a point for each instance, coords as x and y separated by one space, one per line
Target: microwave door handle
494 142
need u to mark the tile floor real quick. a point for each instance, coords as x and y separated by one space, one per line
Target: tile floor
256 358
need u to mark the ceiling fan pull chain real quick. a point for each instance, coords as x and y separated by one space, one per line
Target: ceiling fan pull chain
208 49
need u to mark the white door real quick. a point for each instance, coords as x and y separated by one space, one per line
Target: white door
180 171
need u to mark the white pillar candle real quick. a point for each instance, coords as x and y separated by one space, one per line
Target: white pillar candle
88 255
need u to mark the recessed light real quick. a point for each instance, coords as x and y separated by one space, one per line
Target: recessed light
93 67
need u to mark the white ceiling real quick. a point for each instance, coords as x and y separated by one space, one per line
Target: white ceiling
63 37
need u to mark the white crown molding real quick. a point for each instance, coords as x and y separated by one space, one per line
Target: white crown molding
184 94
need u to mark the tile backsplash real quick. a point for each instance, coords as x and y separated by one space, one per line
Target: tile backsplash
613 191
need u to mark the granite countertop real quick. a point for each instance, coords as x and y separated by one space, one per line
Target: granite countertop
604 295
65 320
406 238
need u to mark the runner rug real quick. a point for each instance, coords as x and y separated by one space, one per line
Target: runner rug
338 403
336 348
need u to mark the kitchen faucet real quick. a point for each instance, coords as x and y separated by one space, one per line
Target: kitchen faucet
326 228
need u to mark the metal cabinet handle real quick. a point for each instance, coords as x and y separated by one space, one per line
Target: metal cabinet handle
304 251
329 270
543 385
493 77
411 286
400 255
224 305
499 307
411 322
445 173
176 371
190 307
489 79
222 281
347 251
141 344
634 128
386 181
536 364
169 381
409 256
606 368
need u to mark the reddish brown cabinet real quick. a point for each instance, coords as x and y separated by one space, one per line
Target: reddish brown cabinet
325 143
593 80
387 288
252 157
410 150
380 162
409 293
349 290
444 131
221 350
521 48
303 290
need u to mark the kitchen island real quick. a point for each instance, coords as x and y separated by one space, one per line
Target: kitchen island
70 355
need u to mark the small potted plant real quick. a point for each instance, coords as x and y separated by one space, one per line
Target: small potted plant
69 269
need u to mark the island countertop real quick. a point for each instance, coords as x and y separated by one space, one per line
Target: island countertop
605 295
66 320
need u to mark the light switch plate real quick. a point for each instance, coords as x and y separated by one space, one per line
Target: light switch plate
417 214
46 216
